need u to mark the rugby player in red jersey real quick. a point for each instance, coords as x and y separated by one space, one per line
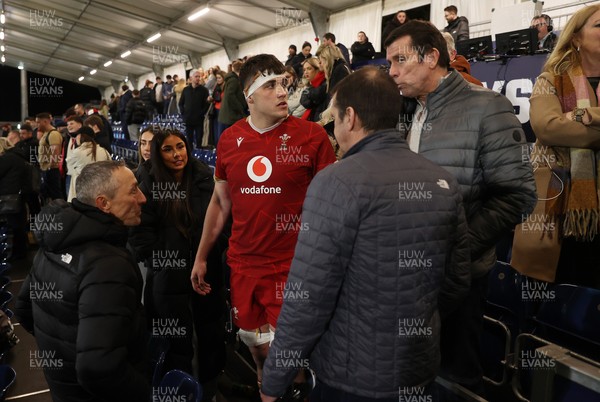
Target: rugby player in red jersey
264 166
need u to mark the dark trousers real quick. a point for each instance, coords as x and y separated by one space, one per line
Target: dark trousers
325 393
160 107
220 127
18 226
52 185
461 339
194 133
124 126
175 317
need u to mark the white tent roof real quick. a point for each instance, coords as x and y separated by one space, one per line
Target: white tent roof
69 38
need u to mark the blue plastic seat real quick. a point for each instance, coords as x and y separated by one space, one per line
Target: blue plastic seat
4 267
4 282
5 298
575 312
7 378
158 348
180 383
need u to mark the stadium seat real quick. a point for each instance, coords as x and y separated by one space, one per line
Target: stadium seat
5 298
572 320
508 312
158 348
7 377
179 383
4 282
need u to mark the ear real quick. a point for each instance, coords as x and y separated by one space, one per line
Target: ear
432 58
350 119
103 204
250 100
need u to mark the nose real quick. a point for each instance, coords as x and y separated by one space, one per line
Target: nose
394 71
141 198
281 89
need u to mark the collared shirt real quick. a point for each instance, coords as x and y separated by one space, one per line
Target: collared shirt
416 127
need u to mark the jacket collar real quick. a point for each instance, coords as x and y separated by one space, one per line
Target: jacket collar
453 83
384 139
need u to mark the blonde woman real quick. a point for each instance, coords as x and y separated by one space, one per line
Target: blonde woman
177 90
565 117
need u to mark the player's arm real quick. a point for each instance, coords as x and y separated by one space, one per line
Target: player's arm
217 214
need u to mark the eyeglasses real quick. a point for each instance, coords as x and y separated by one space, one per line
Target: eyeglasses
539 24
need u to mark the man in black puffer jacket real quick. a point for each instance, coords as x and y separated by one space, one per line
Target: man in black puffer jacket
193 105
369 282
82 297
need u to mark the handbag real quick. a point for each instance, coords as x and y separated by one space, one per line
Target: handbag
537 244
10 204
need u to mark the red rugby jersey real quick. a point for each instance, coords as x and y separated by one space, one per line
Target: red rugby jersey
268 175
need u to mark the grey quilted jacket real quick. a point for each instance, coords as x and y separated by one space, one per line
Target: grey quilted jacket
473 133
383 248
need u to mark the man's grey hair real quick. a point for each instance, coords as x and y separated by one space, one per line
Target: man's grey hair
449 41
97 179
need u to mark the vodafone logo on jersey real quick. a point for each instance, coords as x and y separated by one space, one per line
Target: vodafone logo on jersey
259 169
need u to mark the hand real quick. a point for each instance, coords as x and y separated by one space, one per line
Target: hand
198 284
266 398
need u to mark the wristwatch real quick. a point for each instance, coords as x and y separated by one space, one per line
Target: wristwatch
577 114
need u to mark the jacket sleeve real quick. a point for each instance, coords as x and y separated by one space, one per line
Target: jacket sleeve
312 97
129 110
322 255
23 306
551 126
457 277
182 102
238 102
108 307
462 31
509 191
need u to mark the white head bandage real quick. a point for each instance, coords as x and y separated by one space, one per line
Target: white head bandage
262 79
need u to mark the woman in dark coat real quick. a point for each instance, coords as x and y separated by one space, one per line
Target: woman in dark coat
362 49
178 189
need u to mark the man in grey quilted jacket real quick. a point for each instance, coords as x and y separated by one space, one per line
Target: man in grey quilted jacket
473 133
382 254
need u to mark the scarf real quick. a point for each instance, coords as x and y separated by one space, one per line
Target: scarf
578 206
318 80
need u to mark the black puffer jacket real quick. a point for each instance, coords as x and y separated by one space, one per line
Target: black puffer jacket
14 167
385 243
473 133
362 51
169 257
459 29
82 302
135 112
